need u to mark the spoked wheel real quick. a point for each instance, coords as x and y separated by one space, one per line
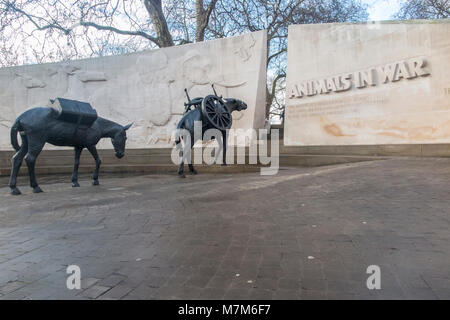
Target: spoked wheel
216 112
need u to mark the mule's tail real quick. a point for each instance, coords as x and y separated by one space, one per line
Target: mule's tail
14 130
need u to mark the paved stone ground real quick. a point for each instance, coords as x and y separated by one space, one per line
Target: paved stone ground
307 233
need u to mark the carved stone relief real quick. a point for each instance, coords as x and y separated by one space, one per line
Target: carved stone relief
145 87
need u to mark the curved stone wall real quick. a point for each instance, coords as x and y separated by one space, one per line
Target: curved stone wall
146 88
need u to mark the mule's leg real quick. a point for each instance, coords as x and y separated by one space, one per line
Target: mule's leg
98 162
191 168
224 141
190 164
76 164
16 164
218 151
181 170
35 145
181 167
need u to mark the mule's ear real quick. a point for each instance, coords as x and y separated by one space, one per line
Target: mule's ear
128 126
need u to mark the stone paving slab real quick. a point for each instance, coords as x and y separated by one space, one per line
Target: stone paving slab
306 233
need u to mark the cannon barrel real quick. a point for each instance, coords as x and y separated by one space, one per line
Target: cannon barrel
214 89
187 95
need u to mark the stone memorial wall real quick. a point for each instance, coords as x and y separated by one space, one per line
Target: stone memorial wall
146 88
368 84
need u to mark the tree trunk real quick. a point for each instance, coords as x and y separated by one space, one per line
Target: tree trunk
154 8
202 18
271 92
269 100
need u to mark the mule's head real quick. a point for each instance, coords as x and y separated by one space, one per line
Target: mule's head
235 104
119 139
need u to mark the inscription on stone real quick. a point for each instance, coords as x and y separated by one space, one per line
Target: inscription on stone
348 105
391 72
347 84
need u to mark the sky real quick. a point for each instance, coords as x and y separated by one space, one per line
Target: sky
382 9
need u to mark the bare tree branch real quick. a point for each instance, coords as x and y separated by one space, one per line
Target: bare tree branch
124 32
424 9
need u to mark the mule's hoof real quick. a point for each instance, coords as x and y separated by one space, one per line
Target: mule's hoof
95 183
181 175
194 171
75 185
15 191
37 190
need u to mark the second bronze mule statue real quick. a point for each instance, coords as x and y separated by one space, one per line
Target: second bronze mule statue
213 112
44 124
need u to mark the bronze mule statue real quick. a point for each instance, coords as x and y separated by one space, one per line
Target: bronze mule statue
75 124
214 113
